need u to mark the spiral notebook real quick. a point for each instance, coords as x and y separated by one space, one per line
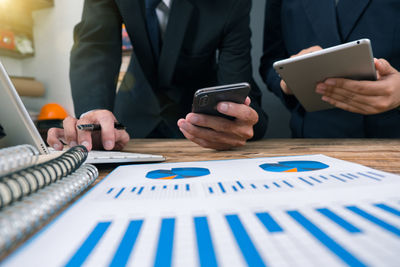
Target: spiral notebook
31 190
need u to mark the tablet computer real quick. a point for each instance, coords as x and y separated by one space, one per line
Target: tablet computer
353 60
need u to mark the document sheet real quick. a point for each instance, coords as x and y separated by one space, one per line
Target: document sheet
308 210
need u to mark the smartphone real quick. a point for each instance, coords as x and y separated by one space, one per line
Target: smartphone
205 100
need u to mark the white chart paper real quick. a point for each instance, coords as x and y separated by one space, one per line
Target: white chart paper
286 211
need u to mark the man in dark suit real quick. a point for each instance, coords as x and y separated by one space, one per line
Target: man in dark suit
364 108
179 46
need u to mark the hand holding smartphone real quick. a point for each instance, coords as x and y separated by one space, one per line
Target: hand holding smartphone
205 100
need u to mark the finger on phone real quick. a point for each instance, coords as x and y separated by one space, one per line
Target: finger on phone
247 102
239 111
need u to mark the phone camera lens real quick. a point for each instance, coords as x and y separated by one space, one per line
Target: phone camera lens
281 68
203 101
358 42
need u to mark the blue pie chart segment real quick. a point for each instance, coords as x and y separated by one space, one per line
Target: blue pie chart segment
177 173
294 166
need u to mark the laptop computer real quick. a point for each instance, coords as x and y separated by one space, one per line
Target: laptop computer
18 128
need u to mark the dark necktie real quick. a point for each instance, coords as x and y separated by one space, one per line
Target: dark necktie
153 27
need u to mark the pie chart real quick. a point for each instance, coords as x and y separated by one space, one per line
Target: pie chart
177 173
294 166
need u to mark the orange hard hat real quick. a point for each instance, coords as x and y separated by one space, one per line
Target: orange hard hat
52 111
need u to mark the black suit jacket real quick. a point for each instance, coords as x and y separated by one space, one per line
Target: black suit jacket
206 43
293 25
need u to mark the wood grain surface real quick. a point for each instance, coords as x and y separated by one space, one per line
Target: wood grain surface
382 154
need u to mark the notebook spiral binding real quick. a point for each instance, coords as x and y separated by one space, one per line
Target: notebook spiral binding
20 183
22 217
17 157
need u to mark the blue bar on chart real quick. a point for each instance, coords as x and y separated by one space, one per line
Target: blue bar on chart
88 245
305 181
187 187
120 192
109 191
240 185
347 176
325 239
388 209
221 187
133 189
377 174
315 179
349 227
338 178
375 220
205 246
368 176
323 177
140 190
269 223
248 249
165 243
125 248
288 184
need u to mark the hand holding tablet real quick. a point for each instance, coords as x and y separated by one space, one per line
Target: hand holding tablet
365 97
302 73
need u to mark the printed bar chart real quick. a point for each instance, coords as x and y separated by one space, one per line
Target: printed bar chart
204 239
293 211
140 191
326 240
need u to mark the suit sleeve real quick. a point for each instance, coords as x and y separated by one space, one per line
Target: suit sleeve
274 49
234 62
96 56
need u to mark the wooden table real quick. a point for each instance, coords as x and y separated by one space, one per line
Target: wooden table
382 154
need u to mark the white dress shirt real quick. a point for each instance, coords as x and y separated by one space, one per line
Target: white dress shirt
162 11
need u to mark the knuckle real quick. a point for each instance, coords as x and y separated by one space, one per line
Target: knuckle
69 120
240 143
51 132
381 105
249 133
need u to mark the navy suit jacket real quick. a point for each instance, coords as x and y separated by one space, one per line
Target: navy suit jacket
206 43
293 25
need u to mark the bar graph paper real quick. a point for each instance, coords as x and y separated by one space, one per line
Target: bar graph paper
240 214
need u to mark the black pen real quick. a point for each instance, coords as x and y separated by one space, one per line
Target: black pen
97 127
